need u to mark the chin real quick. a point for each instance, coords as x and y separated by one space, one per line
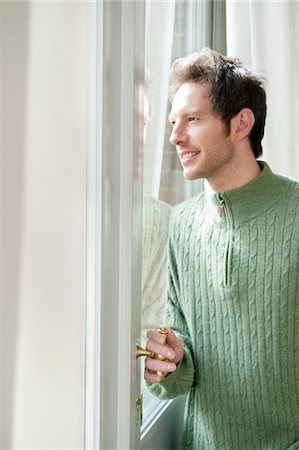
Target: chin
192 176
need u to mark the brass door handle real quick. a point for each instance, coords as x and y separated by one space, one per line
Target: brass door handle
145 352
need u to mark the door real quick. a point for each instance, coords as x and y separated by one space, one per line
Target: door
114 214
123 58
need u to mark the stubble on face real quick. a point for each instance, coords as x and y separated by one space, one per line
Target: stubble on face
213 161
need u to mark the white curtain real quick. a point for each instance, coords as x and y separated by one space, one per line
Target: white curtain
264 34
43 150
160 20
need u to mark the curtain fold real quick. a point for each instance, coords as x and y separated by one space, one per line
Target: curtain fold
160 21
265 36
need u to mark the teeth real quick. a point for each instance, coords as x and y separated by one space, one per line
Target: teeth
189 155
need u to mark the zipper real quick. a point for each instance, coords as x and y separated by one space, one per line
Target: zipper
222 206
227 251
227 265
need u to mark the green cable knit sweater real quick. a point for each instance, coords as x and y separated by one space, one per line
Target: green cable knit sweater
233 299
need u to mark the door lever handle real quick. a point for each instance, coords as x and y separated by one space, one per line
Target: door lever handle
145 352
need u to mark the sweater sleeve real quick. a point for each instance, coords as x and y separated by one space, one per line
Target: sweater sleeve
179 382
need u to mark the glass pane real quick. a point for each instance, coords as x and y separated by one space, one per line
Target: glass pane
168 34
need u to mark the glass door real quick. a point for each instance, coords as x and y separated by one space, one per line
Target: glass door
114 214
173 29
128 212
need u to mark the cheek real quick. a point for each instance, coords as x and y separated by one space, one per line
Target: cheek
208 137
204 139
198 135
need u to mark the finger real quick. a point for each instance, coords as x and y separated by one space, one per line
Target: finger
175 343
151 377
155 336
159 349
163 366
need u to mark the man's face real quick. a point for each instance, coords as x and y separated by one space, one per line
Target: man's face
204 148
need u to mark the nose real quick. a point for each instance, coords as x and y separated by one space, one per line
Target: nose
178 135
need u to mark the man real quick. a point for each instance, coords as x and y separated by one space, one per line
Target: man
233 291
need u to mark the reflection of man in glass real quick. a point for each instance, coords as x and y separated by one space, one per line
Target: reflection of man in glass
154 255
233 296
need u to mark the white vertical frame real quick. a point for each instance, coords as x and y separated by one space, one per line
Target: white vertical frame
114 216
93 232
196 38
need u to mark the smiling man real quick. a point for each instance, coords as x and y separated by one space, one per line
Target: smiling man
233 277
204 146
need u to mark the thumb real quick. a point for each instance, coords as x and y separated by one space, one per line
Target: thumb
172 338
175 343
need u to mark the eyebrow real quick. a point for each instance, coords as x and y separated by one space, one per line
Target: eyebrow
189 113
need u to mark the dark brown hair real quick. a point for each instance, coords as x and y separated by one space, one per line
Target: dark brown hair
233 87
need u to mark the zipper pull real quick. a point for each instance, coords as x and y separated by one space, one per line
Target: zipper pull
222 206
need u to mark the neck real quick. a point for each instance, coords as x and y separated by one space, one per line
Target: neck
237 176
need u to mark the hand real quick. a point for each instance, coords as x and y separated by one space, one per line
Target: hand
170 347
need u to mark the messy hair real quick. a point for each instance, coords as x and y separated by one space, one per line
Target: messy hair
233 87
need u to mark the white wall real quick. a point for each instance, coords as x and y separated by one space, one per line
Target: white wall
43 93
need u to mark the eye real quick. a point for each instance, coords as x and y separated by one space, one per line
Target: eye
191 119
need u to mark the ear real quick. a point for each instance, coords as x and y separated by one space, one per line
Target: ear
242 124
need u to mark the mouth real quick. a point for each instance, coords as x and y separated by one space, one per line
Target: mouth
188 157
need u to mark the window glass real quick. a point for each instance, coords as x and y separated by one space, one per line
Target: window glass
168 36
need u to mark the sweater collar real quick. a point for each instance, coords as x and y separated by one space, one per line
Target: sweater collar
249 200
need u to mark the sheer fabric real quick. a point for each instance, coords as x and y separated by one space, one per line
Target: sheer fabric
264 35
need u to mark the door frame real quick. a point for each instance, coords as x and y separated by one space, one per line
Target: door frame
114 226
